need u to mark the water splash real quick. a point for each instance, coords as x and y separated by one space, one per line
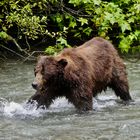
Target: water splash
13 109
102 102
23 110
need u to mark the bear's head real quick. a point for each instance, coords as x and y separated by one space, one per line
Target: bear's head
47 71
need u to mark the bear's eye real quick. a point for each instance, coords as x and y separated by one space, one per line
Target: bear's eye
35 71
42 71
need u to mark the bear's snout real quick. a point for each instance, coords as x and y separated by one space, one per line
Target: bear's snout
34 85
38 81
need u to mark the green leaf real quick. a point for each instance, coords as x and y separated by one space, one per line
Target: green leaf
125 26
125 44
75 2
83 21
97 2
73 24
110 17
50 50
137 33
131 20
4 28
62 41
87 31
58 19
4 35
43 19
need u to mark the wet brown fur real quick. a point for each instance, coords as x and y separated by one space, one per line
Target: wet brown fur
81 73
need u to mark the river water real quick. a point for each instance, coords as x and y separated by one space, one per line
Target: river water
110 119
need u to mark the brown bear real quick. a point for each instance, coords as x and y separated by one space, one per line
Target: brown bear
79 74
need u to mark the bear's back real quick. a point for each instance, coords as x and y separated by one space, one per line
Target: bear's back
96 56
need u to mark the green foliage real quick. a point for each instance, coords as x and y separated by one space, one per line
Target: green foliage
60 44
3 35
65 21
23 18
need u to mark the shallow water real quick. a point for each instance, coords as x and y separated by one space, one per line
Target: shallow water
110 119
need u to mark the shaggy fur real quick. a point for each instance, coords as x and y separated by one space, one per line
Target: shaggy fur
80 73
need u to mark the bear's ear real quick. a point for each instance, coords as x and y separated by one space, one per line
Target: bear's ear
41 57
63 62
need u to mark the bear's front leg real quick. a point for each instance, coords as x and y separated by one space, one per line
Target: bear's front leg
43 100
83 101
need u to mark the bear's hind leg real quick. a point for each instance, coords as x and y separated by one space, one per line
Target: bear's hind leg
121 88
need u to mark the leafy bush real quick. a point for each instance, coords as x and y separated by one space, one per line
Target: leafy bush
62 24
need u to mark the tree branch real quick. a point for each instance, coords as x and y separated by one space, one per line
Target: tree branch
12 51
18 46
77 13
29 47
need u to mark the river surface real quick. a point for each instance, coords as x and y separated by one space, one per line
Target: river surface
109 120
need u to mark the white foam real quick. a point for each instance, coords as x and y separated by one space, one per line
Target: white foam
61 103
13 109
103 102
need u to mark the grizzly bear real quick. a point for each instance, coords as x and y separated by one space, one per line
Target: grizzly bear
79 74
